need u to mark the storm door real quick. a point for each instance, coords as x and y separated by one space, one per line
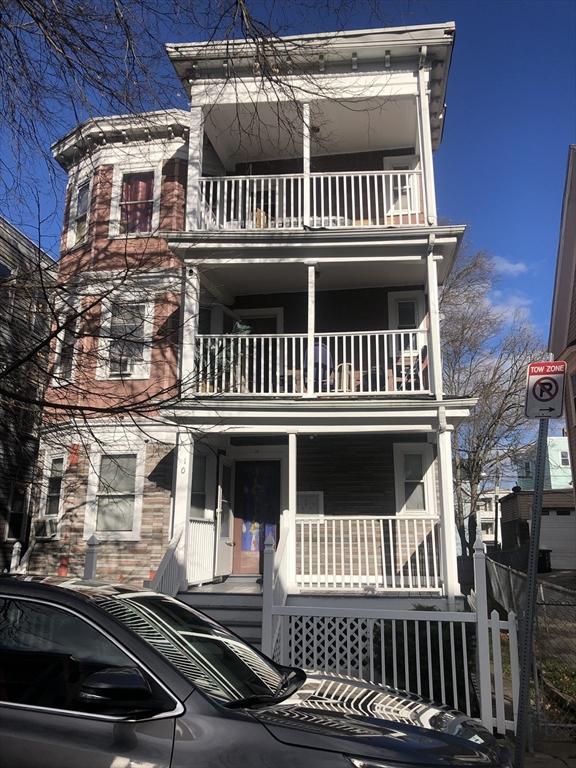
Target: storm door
225 519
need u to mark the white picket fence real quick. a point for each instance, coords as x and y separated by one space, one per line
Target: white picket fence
453 657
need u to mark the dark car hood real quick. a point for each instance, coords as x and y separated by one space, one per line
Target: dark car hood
350 716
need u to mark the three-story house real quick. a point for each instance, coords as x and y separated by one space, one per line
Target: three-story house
259 334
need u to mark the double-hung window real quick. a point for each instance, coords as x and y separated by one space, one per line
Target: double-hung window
65 345
412 471
116 493
137 203
128 335
81 213
54 487
564 459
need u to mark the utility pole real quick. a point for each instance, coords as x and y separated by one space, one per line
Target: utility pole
496 502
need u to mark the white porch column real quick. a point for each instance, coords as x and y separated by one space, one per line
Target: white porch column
306 161
311 329
292 504
189 313
448 522
195 152
435 353
181 500
425 141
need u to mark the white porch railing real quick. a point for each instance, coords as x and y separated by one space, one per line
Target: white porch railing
368 363
200 565
398 554
334 201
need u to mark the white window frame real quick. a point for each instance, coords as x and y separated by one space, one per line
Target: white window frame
425 451
57 380
49 457
120 170
84 178
317 496
140 371
120 448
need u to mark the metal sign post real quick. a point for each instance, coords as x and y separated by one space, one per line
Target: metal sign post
544 400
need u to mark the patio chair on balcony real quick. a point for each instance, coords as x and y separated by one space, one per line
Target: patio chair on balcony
410 375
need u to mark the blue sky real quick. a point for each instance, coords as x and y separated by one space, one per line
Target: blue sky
511 116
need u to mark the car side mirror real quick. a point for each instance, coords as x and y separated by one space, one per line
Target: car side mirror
118 690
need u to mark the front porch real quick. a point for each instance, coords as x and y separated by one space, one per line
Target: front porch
356 514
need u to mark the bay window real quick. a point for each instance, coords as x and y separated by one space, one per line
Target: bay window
127 338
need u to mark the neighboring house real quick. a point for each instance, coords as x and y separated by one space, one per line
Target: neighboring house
557 469
271 262
562 340
557 531
25 279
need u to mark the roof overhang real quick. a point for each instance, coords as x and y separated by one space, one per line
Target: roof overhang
289 59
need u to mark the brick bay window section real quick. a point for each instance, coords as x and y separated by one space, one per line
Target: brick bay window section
115 496
137 203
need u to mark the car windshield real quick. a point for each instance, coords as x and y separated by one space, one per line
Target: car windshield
217 662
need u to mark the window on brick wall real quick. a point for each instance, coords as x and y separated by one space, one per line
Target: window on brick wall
54 487
137 203
126 339
65 345
81 213
116 493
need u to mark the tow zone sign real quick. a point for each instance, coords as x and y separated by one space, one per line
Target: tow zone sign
545 390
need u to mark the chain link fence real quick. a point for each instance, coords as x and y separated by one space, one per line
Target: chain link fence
555 663
554 692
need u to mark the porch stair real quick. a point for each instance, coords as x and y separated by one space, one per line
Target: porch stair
236 603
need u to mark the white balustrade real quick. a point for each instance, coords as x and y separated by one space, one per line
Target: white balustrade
335 201
369 363
398 554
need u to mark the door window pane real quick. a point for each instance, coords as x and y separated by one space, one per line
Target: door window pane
226 501
46 653
198 496
407 314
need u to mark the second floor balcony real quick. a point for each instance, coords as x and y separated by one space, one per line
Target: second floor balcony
362 364
286 202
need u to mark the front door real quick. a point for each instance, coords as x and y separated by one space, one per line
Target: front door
256 512
225 519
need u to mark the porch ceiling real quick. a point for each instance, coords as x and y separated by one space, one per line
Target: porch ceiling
248 279
271 131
